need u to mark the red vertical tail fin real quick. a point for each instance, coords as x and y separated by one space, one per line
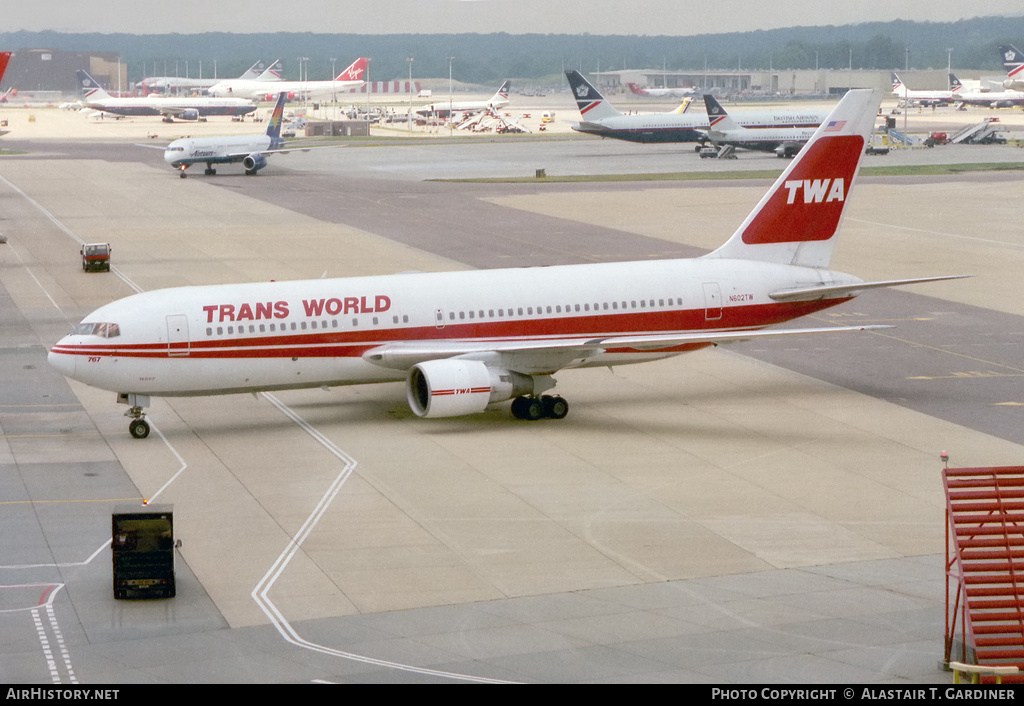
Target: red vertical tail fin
796 222
354 72
5 56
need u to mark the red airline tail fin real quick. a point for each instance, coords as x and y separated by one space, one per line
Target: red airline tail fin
4 58
797 220
354 72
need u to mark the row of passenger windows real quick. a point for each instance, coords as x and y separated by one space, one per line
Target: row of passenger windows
567 308
243 329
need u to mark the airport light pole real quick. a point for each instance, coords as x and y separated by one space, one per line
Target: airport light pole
408 118
450 128
302 81
334 88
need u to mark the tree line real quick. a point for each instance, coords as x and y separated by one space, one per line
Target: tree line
490 58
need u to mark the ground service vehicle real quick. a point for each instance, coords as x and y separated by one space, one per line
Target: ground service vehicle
142 547
96 256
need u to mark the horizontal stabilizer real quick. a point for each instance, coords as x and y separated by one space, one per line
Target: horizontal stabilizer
841 290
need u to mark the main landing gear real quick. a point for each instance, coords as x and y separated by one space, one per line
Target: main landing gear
544 407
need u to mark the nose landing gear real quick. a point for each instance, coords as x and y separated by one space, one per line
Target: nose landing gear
138 427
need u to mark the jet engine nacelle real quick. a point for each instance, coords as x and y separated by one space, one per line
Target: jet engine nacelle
190 114
253 163
454 387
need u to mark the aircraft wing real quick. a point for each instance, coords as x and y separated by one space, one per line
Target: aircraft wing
548 355
243 155
171 110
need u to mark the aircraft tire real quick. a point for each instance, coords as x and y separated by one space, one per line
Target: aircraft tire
555 407
528 408
138 428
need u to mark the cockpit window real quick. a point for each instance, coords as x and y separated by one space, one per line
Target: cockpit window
104 330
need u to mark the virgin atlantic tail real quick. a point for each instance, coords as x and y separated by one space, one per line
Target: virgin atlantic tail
797 220
5 56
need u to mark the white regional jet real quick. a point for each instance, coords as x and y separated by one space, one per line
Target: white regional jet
723 130
352 77
250 150
463 340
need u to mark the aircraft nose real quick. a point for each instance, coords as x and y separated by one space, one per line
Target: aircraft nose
63 362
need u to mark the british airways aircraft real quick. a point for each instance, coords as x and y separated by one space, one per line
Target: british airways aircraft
599 117
1013 62
461 341
171 107
723 130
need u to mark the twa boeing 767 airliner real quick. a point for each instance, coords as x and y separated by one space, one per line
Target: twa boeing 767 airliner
463 340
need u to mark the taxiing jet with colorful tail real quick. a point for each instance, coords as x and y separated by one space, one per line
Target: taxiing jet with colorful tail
250 150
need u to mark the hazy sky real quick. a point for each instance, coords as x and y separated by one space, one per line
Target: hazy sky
652 17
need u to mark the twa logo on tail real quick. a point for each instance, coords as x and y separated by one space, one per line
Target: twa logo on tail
796 222
814 190
808 204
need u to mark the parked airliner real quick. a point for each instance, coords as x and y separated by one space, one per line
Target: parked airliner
182 107
442 108
177 83
927 98
250 150
351 77
660 92
723 130
600 118
1013 62
463 340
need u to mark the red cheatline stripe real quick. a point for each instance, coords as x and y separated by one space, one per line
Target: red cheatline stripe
355 343
471 391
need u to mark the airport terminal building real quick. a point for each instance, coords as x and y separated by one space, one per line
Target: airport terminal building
790 82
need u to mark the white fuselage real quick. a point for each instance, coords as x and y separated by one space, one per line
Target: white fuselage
215 150
991 98
766 139
267 90
443 108
687 127
157 105
279 335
